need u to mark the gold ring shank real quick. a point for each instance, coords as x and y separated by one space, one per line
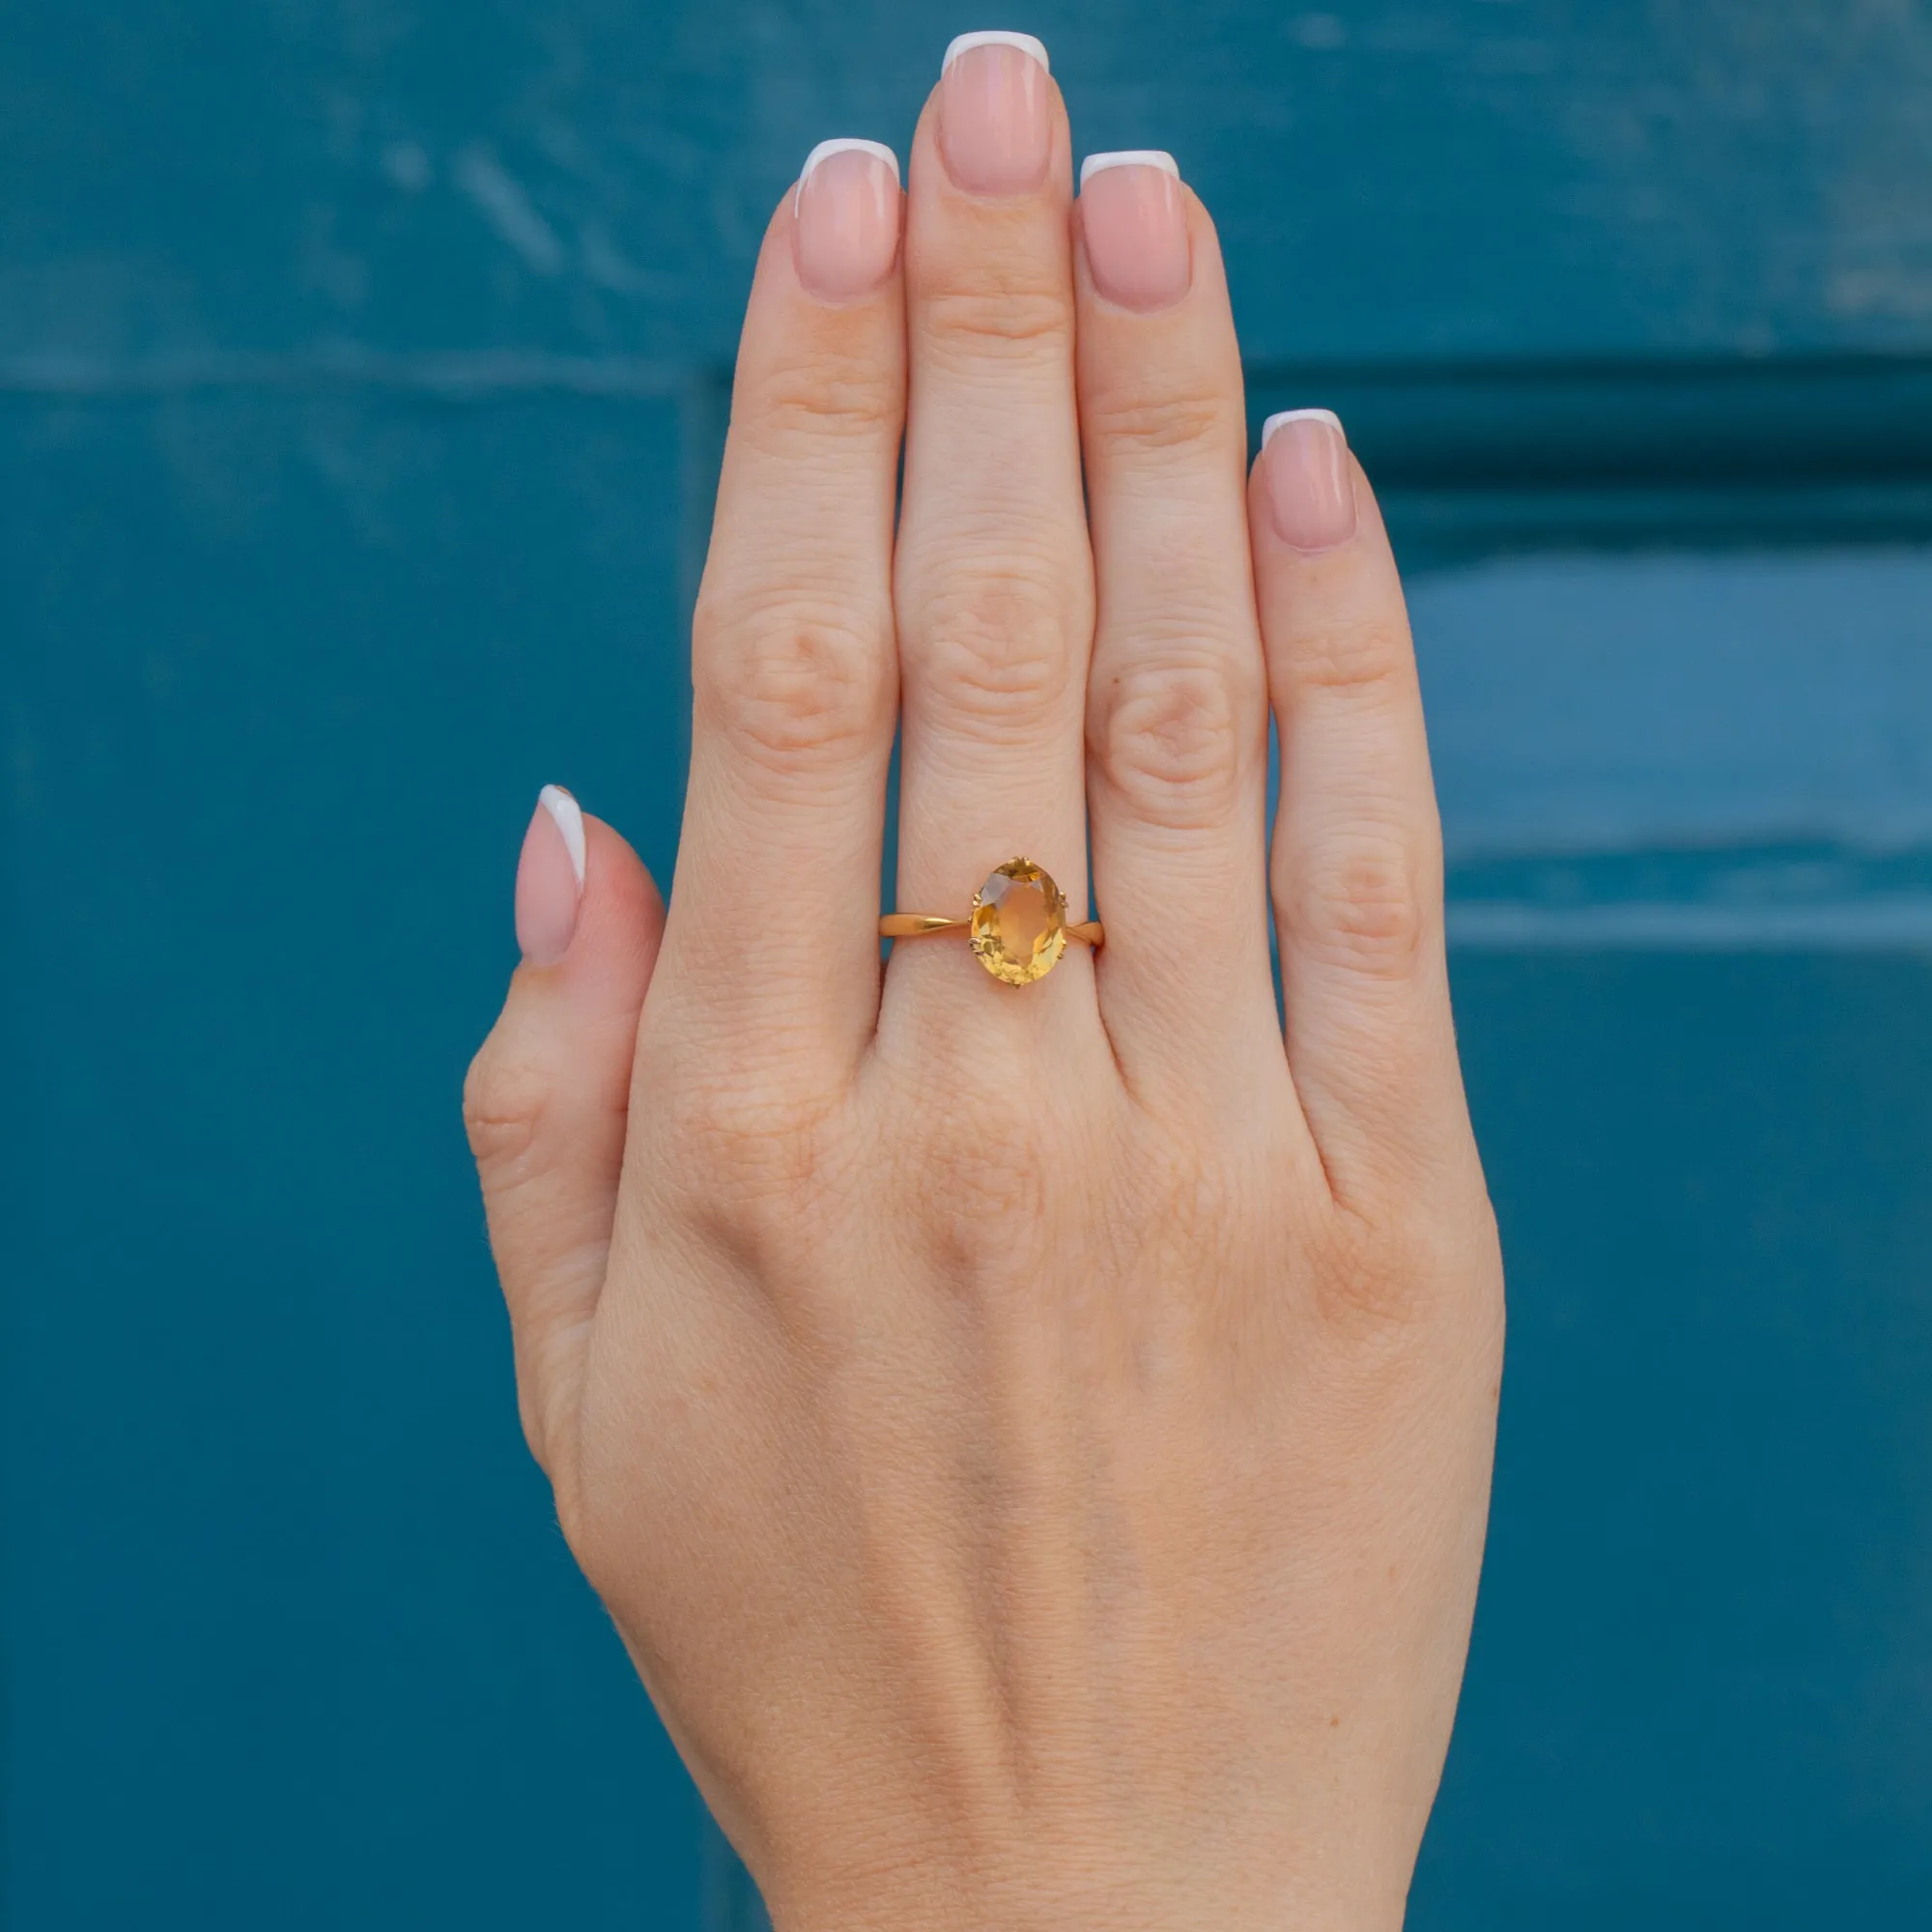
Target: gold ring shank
921 924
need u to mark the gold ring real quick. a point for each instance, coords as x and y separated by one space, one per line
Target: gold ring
1018 926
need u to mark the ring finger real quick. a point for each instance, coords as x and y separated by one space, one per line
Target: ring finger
993 581
1177 709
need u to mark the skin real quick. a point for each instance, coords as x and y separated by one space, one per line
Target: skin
1033 1442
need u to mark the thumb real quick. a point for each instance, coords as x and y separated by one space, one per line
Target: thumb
547 1095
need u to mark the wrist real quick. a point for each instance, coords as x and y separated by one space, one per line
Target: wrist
985 1900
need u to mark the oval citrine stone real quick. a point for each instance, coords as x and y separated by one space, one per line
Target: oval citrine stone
1020 924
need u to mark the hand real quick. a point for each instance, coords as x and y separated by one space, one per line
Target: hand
1034 1440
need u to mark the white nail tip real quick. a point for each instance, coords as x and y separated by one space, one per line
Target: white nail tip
995 37
568 818
843 144
1128 157
1275 422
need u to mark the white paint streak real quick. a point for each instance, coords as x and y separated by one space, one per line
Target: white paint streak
406 163
1900 922
508 210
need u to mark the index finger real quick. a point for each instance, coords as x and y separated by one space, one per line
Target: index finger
771 933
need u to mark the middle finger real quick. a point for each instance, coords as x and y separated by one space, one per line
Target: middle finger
993 577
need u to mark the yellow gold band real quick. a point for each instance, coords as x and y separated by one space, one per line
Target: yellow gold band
917 924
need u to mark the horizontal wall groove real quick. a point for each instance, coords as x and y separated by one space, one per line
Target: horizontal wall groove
457 374
1752 422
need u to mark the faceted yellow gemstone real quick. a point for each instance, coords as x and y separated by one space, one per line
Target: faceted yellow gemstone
1020 924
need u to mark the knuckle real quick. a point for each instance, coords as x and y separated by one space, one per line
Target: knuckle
1360 900
760 1169
1370 1275
505 1101
1354 656
830 399
1131 423
745 1144
789 683
976 1168
1189 1203
1173 738
1391 1270
1001 317
999 643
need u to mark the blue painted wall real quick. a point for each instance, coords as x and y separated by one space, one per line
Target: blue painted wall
363 368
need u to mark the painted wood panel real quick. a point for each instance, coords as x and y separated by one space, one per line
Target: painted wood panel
363 365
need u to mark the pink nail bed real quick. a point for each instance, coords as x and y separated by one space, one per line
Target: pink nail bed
1308 479
550 877
846 227
995 113
1133 223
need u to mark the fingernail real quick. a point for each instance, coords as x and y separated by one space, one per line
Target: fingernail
995 117
847 218
1134 223
1309 480
550 877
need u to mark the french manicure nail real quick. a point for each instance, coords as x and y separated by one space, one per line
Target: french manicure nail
550 877
995 112
1309 480
847 218
1134 223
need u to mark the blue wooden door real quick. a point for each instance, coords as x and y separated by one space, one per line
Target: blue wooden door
361 380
